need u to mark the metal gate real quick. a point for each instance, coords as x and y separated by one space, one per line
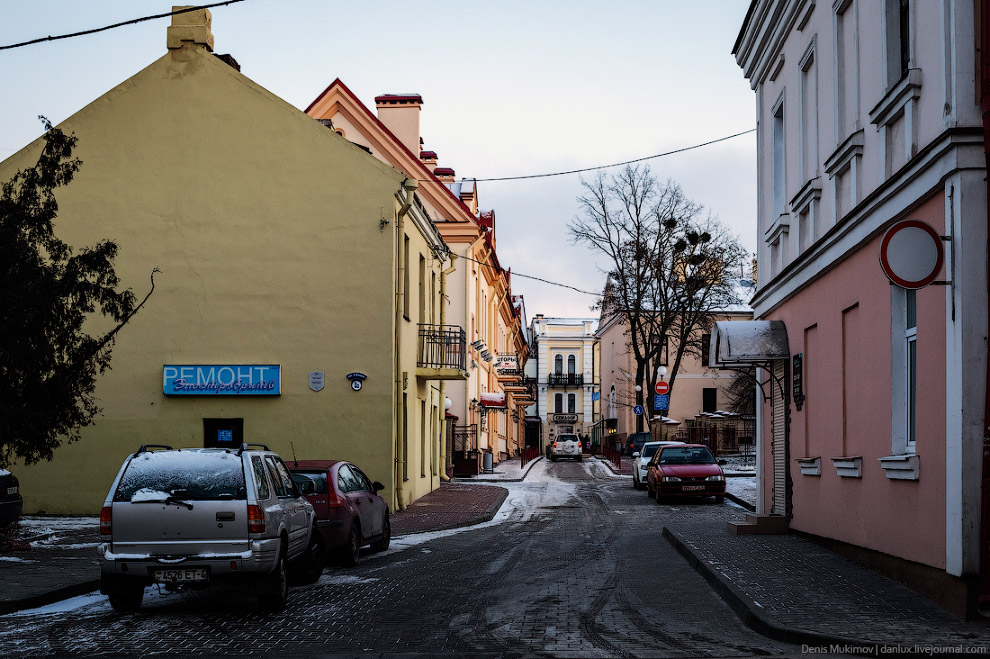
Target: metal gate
778 447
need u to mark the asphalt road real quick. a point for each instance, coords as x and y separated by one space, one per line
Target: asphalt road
578 569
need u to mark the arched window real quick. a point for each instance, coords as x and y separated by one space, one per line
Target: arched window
571 364
558 364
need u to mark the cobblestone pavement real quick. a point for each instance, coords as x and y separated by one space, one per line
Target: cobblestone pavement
579 569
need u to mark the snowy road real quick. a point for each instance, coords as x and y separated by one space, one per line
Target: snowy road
572 565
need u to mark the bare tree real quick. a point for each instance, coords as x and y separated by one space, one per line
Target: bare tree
669 264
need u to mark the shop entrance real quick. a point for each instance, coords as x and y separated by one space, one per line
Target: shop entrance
223 433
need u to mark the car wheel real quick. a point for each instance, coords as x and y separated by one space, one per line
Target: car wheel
719 498
125 597
308 568
273 589
580 458
383 542
553 458
351 552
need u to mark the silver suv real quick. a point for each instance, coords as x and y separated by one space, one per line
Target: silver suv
566 446
187 518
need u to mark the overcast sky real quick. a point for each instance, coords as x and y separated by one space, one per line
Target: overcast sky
509 88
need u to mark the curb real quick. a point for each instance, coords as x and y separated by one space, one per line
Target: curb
500 480
487 516
611 467
756 619
50 597
740 502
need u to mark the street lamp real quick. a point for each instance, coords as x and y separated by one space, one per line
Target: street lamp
661 371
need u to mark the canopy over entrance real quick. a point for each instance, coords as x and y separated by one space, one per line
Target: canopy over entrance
740 343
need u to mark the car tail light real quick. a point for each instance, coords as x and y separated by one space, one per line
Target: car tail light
333 499
106 520
256 519
555 444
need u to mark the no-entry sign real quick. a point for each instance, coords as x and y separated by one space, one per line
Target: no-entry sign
911 254
661 387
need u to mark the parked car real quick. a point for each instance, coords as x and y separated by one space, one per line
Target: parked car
641 458
566 446
349 512
684 471
192 517
11 502
635 441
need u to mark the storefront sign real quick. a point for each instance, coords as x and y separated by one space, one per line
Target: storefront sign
797 379
222 380
565 418
506 363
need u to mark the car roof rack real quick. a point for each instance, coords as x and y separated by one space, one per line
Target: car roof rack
145 448
245 446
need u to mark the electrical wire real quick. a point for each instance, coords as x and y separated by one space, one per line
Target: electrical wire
617 164
116 25
519 274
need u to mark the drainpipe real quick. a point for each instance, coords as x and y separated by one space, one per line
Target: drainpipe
983 603
409 185
443 383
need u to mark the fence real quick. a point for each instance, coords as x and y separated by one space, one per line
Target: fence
728 437
613 456
529 453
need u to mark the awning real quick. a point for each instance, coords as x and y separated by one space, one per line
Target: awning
737 343
493 400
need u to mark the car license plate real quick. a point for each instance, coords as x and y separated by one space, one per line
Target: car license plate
693 488
11 490
181 576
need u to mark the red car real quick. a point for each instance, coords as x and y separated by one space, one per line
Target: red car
349 512
688 470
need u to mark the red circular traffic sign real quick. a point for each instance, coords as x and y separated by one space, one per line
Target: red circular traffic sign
911 254
662 387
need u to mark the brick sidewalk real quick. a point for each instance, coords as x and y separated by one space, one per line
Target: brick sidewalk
450 506
791 589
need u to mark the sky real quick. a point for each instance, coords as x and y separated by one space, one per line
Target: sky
509 88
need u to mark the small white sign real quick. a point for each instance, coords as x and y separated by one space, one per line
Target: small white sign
316 380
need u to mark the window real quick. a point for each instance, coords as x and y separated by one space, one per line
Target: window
276 479
911 355
709 401
558 364
571 403
809 115
558 403
405 278
571 364
259 478
706 344
897 39
422 289
779 173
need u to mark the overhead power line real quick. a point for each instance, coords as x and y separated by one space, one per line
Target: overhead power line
116 25
519 274
617 164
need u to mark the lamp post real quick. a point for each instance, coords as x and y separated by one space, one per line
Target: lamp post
639 417
661 372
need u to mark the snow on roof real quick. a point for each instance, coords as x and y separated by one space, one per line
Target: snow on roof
742 292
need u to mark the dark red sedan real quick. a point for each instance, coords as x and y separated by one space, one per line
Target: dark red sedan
349 512
688 470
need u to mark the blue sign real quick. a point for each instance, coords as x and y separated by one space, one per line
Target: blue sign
661 401
225 436
638 410
596 395
222 380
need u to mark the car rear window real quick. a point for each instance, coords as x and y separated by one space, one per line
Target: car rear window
648 451
686 455
567 438
319 479
186 475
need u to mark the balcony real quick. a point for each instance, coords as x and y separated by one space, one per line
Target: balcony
442 353
508 374
565 380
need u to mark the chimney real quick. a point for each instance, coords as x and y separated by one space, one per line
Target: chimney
400 114
190 27
445 174
429 159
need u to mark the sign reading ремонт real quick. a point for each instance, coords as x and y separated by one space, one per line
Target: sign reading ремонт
222 380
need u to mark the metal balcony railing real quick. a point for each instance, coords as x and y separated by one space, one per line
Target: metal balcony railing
565 379
442 346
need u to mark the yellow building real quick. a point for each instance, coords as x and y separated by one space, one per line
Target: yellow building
565 355
287 255
485 409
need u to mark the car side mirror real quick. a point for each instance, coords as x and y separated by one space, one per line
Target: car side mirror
723 462
636 454
377 487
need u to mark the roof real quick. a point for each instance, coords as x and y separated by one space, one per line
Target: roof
310 464
747 342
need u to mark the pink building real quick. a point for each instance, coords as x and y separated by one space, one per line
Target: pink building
870 436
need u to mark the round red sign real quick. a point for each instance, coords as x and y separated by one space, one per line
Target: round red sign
662 387
911 254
